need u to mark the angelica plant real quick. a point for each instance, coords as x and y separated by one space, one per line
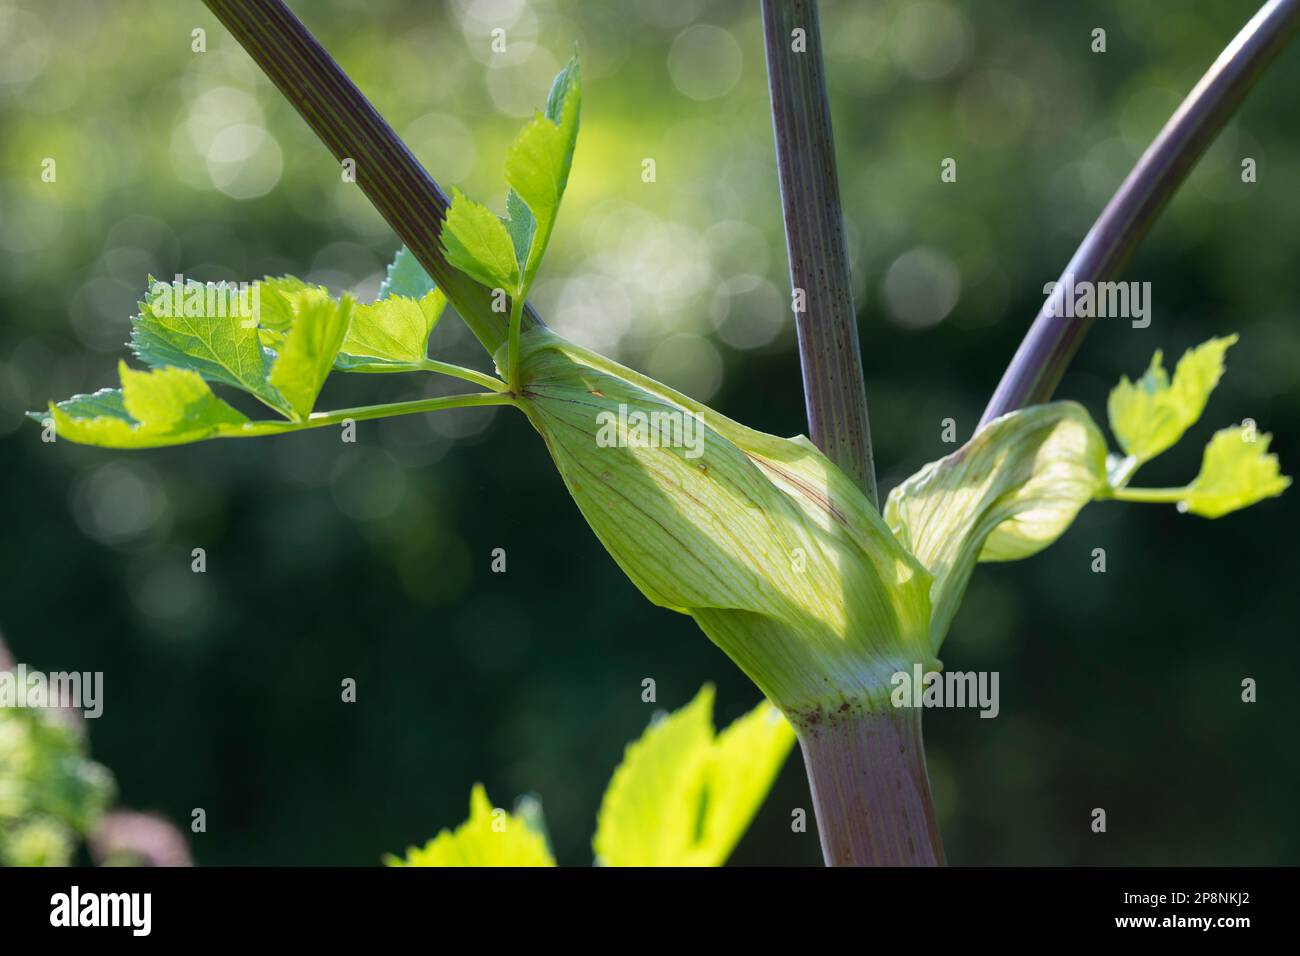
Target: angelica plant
777 552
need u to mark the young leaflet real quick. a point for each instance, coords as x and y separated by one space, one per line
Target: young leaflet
683 796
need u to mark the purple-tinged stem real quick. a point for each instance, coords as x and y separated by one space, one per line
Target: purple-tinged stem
866 770
872 791
834 389
351 128
1051 342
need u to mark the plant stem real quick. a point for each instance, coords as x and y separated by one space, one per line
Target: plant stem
1124 472
867 773
871 790
467 374
1165 496
350 127
320 419
1051 342
829 354
512 352
433 365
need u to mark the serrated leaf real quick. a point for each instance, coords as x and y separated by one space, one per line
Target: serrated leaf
485 839
538 165
222 348
1150 415
167 406
1008 493
98 419
478 244
535 167
1236 471
394 330
406 277
279 300
683 797
105 403
306 356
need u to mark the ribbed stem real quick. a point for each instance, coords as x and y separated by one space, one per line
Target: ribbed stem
829 353
1051 342
867 773
350 127
366 412
871 791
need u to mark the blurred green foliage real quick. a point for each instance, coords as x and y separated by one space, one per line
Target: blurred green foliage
51 794
372 561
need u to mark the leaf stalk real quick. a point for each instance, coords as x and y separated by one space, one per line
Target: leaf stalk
1051 342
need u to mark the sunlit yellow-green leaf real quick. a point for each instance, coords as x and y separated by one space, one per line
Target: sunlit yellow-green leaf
537 169
683 796
1006 494
1150 415
166 406
477 243
392 330
1236 471
209 329
306 355
490 837
278 303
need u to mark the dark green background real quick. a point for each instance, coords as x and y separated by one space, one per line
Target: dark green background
325 560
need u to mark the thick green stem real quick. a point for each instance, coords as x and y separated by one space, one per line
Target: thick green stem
871 791
350 127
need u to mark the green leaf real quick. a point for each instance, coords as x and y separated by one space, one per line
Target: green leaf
167 406
307 354
394 330
1008 493
195 330
557 98
521 225
538 165
478 244
1236 471
1150 415
51 792
488 838
105 403
280 299
683 797
774 551
406 277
